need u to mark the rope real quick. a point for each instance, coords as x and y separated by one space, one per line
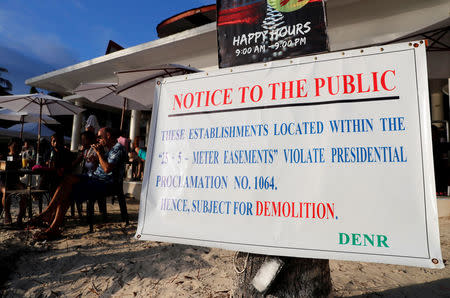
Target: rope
245 263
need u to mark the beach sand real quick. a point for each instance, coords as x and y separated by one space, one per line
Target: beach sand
110 262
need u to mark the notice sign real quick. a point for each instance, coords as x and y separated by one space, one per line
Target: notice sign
321 157
250 31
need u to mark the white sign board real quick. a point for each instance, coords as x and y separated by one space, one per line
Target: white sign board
324 156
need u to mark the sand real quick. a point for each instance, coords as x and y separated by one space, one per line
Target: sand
110 262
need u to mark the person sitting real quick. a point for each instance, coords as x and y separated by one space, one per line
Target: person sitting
27 154
111 156
59 162
60 159
137 158
87 158
13 182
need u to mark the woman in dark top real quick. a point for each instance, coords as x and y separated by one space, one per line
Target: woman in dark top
14 162
59 160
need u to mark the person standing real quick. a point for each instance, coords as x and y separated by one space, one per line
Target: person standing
92 124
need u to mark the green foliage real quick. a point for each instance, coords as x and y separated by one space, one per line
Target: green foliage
33 90
5 85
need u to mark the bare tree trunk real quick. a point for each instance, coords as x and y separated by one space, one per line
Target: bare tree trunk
298 278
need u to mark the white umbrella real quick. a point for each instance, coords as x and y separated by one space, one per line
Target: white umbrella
7 133
42 104
23 117
139 85
135 90
32 129
6 114
105 93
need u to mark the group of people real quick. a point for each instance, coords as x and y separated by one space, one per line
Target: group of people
89 174
103 162
137 157
17 157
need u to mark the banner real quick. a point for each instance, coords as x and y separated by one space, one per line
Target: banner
327 156
250 31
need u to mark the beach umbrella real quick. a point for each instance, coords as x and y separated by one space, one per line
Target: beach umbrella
105 93
39 103
7 133
135 88
22 117
139 84
6 114
32 129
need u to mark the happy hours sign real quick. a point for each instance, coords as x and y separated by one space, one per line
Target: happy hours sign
324 157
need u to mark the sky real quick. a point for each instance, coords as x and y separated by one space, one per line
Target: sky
37 37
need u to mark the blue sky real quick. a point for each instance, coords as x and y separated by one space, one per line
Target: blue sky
40 36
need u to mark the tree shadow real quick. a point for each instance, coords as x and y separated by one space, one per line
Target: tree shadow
14 244
157 262
438 288
8 259
113 216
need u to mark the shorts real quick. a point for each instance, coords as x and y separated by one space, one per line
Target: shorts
89 188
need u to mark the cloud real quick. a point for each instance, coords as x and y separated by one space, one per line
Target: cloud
26 52
21 35
20 68
48 49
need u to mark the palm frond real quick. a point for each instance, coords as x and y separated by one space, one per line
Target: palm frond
5 84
